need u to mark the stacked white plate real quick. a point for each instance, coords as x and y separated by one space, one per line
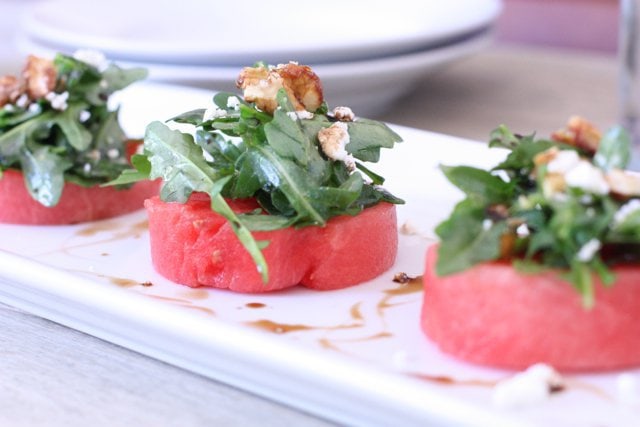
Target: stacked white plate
367 53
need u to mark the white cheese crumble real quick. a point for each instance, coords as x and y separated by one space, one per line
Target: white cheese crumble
588 250
84 116
523 230
409 229
22 101
587 177
625 210
300 114
532 386
213 112
113 153
563 162
487 224
92 57
233 102
333 141
58 101
34 108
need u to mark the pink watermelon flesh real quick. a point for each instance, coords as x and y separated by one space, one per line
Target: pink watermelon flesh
194 246
494 315
77 203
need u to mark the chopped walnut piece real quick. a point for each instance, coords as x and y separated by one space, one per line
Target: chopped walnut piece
261 85
10 89
579 133
40 75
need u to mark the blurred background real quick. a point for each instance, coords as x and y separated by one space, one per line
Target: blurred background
458 67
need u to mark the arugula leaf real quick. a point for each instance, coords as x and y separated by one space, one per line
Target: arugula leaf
44 175
141 171
289 178
77 135
176 159
366 137
465 241
478 184
614 150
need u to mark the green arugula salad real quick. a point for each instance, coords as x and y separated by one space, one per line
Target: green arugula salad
279 144
56 125
562 203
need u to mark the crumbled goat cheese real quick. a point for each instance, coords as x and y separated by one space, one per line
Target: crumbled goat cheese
523 230
233 102
34 108
84 116
304 114
300 114
628 388
92 57
58 101
534 385
486 224
587 177
344 114
103 84
87 167
113 153
588 250
333 141
409 229
213 112
22 101
563 162
625 210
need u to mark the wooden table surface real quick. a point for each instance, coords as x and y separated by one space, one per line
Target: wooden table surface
51 375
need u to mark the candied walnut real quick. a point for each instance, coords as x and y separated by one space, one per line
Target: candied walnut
261 85
623 183
10 89
40 76
546 156
579 133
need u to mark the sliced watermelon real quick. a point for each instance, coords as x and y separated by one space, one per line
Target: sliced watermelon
77 203
194 246
494 315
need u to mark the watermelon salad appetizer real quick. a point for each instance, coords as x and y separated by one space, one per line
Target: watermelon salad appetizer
269 191
540 261
59 141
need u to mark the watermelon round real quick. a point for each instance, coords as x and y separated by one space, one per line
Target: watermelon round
493 315
194 246
77 203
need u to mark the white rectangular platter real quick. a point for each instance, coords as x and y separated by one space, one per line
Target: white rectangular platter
355 356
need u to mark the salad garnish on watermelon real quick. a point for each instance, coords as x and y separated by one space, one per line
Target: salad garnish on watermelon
280 144
56 125
564 202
